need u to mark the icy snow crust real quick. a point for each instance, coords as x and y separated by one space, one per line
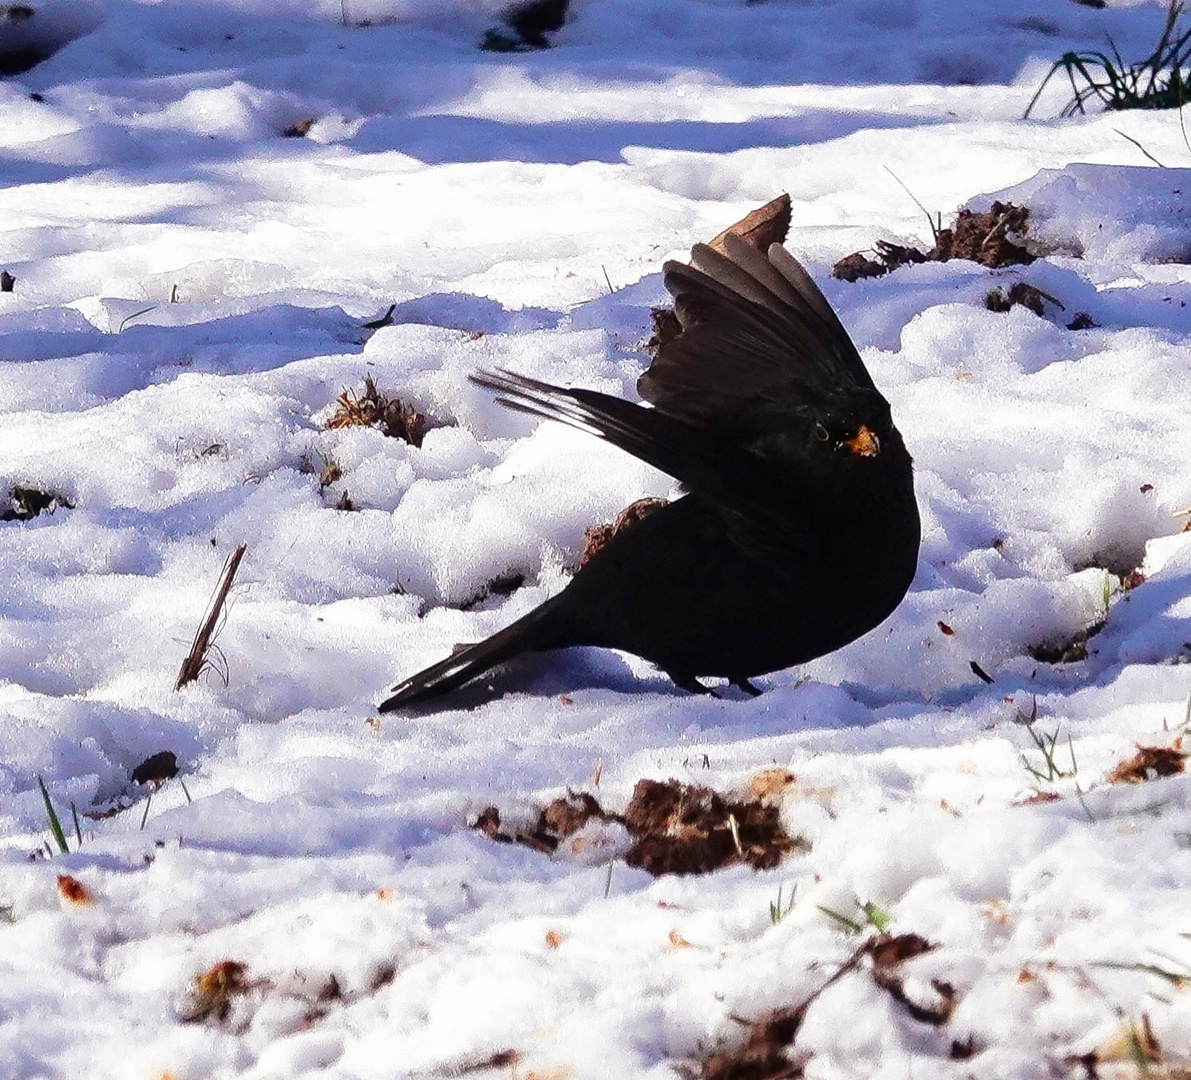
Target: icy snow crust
517 210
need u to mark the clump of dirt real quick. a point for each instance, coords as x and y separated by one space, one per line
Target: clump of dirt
889 257
676 828
25 503
156 769
1082 321
529 23
1037 796
1066 650
372 408
1023 294
502 585
688 829
559 819
1149 763
299 128
764 1053
984 237
596 538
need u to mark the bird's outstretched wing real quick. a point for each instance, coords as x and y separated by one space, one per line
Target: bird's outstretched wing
754 328
739 482
753 332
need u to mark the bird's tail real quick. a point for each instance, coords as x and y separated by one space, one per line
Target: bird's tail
542 628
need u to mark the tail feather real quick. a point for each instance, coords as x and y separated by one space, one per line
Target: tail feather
542 628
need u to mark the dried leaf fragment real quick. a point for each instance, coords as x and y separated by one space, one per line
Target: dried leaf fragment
678 941
759 228
73 891
215 990
502 1059
769 784
888 951
1149 763
1136 1043
997 911
1038 796
1132 578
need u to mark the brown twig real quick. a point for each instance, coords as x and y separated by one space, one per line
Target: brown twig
196 659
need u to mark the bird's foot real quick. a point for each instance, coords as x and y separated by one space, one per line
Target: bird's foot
746 686
692 685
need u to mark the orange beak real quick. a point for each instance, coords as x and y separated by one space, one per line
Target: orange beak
864 443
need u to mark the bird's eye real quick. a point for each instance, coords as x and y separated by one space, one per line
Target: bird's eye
821 433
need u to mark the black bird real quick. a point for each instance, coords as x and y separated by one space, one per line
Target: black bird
798 531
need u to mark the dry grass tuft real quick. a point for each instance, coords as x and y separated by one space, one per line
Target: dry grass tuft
199 656
373 408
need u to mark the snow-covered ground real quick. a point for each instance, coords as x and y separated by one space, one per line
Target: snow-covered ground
191 288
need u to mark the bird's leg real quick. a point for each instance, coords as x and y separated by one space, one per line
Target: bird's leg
690 684
743 684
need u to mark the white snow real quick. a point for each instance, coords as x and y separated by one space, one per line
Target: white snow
190 298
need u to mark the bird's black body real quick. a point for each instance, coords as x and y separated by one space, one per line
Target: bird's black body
799 530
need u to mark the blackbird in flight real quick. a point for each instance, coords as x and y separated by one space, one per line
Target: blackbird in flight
798 530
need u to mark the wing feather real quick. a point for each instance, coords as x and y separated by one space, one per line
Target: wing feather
754 328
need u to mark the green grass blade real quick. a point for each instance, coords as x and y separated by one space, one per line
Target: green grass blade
851 925
52 814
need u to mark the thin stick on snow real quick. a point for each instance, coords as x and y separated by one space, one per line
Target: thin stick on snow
196 659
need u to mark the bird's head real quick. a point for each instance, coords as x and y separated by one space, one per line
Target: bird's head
822 440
